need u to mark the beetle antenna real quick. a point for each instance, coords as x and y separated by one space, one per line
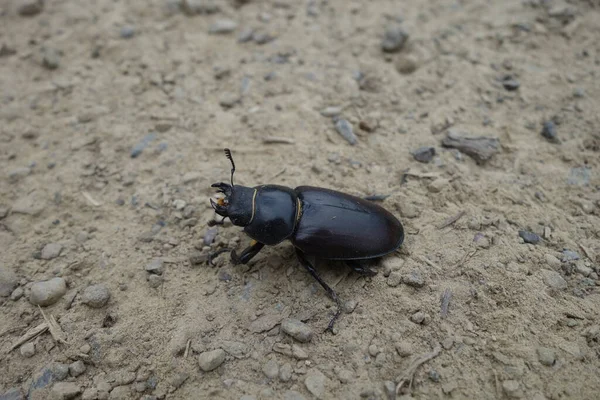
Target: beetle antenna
228 155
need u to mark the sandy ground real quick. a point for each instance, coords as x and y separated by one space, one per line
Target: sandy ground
113 118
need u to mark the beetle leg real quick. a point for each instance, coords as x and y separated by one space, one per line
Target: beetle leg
214 255
247 254
361 268
306 264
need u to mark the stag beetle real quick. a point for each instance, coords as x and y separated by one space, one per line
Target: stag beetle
320 223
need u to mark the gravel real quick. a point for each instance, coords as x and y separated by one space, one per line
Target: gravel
210 360
530 237
127 32
51 251
394 38
77 368
222 26
28 8
50 58
96 296
315 383
414 279
549 131
46 293
17 174
285 372
271 369
297 329
27 350
65 390
553 279
344 128
420 317
155 266
546 356
8 282
424 154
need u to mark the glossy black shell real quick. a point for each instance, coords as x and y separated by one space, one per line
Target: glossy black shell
338 226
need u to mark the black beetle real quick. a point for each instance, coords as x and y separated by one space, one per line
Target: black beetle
320 223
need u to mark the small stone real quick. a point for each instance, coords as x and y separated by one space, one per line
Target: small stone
197 258
248 397
546 356
345 376
28 350
120 393
552 261
155 267
222 26
434 375
17 174
394 39
90 394
299 353
85 349
420 318
8 281
285 372
413 279
349 306
390 389
331 112
179 379
404 349
17 294
553 279
293 395
245 35
96 296
60 371
510 83
51 251
315 383
449 387
50 58
406 64
155 280
65 390
271 369
127 32
12 394
569 255
28 8
373 350
438 185
583 269
263 37
77 368
210 360
297 329
228 100
549 131
344 128
394 279
529 237
46 293
195 7
512 389
447 343
179 204
424 154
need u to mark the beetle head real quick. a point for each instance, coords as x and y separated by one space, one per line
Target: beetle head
238 201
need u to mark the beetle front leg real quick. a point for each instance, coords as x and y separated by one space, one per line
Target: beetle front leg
329 290
248 253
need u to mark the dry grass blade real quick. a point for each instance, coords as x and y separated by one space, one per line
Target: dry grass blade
55 330
30 334
89 198
409 374
445 299
277 140
449 221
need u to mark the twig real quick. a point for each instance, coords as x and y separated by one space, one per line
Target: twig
13 329
449 221
446 296
587 252
277 140
55 330
187 348
89 198
409 374
30 334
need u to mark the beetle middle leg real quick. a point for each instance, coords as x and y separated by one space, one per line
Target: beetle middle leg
306 264
247 254
361 267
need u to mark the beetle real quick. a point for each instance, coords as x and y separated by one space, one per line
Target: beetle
320 223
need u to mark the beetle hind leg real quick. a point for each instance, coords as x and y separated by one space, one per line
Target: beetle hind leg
248 253
361 267
306 264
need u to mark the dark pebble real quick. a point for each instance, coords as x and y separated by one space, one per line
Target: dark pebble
570 255
529 237
424 154
510 83
210 235
127 32
139 147
549 131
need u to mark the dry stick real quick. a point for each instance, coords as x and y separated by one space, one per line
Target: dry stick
446 296
187 348
449 221
55 330
30 334
277 140
409 374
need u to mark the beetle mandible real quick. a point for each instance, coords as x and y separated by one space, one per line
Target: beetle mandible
320 223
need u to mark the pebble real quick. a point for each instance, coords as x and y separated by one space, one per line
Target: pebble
553 279
65 390
46 293
394 39
271 369
529 237
229 100
552 261
28 350
285 372
420 317
17 174
293 395
155 266
51 251
546 356
413 279
345 376
434 375
197 258
583 269
569 255
60 371
299 353
424 154
154 280
344 128
512 389
222 26
549 131
349 306
77 368
127 32
50 58
28 8
579 176
8 281
248 397
210 360
96 296
120 393
315 383
394 279
17 294
406 64
12 394
331 112
194 7
90 394
85 349
447 343
510 84
297 329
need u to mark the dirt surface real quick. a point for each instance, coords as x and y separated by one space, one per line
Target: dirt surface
113 118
